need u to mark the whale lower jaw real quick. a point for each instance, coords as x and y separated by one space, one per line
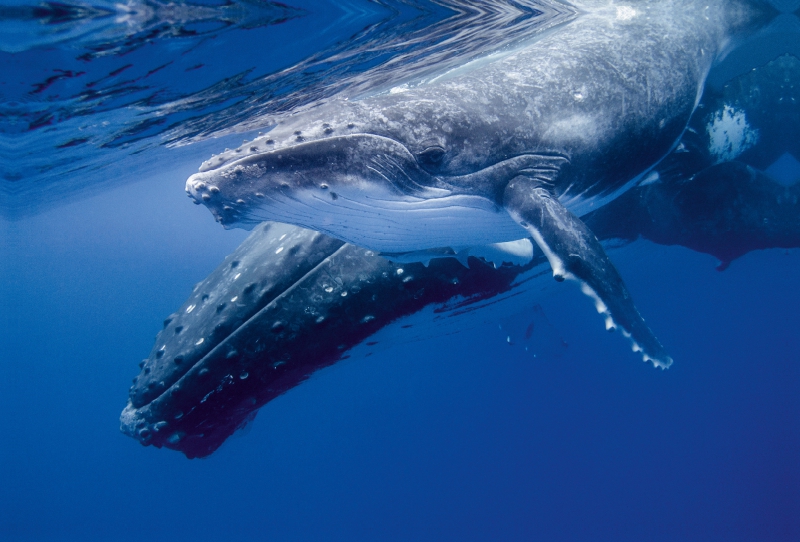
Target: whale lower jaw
389 223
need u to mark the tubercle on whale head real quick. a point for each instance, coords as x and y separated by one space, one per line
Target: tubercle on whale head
434 122
338 117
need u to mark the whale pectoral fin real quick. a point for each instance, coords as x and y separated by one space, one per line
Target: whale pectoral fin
575 253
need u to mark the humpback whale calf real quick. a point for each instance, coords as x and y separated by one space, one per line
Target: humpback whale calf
519 145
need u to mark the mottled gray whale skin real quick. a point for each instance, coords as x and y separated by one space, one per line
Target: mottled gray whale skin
515 146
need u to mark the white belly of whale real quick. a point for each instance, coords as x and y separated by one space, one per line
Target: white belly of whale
393 223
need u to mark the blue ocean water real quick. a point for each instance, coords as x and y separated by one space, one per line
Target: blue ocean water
455 437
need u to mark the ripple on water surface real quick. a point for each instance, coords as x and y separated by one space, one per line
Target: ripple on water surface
88 85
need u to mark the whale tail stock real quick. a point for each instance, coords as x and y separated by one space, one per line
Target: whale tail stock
575 253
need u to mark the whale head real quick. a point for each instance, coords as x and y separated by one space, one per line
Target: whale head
288 182
361 173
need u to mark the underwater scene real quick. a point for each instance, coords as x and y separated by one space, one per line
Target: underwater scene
400 270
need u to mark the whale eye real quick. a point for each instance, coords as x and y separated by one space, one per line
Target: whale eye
431 156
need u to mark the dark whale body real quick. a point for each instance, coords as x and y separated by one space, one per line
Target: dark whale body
727 210
719 192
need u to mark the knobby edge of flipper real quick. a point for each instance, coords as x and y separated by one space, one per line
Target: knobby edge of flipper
575 253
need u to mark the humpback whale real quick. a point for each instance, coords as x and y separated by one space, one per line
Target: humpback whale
520 145
273 312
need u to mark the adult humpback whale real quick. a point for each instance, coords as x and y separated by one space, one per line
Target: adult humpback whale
518 146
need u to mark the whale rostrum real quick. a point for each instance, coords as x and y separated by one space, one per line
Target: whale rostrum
521 146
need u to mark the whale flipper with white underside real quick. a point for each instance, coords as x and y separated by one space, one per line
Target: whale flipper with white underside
575 253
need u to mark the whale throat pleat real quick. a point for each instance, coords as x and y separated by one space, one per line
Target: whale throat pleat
385 223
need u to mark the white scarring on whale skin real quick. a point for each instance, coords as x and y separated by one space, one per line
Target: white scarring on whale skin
730 134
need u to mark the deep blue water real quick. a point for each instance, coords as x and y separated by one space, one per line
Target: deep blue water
459 437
